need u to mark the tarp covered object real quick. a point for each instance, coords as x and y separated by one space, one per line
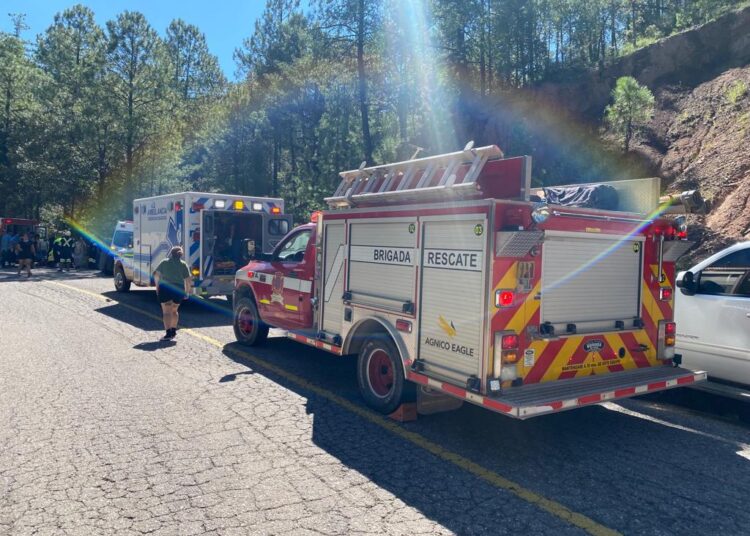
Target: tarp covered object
601 196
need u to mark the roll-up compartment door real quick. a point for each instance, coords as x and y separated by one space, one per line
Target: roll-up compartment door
453 307
382 260
591 281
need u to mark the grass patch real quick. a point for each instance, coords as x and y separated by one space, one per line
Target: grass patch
736 91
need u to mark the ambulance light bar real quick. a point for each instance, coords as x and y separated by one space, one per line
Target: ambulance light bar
258 206
220 203
275 210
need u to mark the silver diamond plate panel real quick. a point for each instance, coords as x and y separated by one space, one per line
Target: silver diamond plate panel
516 243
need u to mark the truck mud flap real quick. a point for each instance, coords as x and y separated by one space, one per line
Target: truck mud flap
539 399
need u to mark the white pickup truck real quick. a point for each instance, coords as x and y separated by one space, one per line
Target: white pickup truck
712 311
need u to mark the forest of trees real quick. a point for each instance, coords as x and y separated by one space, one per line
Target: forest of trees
92 116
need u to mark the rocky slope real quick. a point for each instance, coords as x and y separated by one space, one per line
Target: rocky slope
700 134
700 138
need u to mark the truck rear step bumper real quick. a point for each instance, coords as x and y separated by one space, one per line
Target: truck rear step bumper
538 399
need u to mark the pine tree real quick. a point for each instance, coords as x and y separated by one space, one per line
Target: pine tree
632 106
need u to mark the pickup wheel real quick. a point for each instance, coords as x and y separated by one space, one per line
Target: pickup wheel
249 329
121 282
380 375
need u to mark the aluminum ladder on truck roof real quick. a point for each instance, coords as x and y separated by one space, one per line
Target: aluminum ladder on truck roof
414 180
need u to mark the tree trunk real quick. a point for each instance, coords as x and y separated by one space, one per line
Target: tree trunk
5 150
366 138
613 30
402 111
628 134
275 174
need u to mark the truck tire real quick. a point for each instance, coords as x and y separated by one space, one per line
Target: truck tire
249 329
121 282
105 263
380 375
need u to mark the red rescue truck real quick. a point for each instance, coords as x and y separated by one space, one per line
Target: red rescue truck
452 280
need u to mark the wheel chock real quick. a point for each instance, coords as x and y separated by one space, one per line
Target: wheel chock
405 413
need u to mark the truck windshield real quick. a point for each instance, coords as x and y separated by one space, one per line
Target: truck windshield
294 247
122 239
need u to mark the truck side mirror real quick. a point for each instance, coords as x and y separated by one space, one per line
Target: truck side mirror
685 281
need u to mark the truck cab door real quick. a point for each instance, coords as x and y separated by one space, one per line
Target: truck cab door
207 242
285 302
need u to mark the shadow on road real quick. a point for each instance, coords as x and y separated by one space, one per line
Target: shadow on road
194 313
636 466
154 345
589 459
231 377
10 275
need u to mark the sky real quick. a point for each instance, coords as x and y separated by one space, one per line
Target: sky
225 22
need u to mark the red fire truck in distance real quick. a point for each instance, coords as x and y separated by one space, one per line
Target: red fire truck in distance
452 280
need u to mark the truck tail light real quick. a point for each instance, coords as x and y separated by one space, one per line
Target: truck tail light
504 298
506 355
667 335
403 325
670 331
275 210
665 293
510 356
509 342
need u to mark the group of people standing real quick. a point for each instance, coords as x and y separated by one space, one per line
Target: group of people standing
26 249
22 249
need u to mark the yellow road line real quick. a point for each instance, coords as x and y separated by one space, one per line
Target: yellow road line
552 507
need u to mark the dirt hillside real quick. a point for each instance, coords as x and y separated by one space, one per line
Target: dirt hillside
700 134
700 138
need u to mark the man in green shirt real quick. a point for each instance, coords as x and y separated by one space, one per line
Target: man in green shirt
173 285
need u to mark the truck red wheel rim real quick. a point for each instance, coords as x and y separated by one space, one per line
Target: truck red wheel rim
246 321
380 373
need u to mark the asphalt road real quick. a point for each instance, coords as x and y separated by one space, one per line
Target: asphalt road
104 430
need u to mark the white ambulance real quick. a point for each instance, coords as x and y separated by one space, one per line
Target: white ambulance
219 233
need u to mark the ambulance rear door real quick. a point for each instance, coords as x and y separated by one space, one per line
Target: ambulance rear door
275 227
207 242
